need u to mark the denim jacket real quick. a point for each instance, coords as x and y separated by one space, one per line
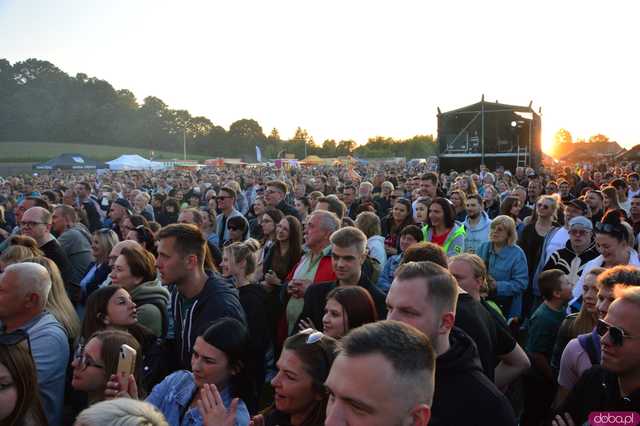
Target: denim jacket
388 272
509 269
173 395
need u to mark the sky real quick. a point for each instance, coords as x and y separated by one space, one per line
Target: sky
349 69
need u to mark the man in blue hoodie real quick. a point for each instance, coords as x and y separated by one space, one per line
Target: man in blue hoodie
198 297
476 224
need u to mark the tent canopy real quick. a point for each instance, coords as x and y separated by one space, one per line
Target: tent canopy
70 162
133 162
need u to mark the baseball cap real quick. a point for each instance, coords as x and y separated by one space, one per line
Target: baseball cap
579 204
580 222
124 203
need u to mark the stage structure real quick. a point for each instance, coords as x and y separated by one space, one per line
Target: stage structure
489 133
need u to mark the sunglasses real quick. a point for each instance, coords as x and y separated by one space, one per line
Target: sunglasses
544 206
616 334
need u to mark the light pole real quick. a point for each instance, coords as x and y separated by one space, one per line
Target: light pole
184 142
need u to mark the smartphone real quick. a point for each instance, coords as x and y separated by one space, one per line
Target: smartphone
126 362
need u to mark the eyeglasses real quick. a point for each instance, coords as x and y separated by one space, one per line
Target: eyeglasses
616 333
30 224
83 360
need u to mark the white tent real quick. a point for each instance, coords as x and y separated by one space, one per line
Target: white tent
133 162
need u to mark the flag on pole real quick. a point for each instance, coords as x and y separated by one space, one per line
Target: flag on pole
258 154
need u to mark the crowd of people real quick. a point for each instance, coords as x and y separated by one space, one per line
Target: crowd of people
373 295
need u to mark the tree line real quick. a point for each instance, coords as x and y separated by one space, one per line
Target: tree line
40 102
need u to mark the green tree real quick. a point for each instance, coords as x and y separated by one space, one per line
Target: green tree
345 147
598 138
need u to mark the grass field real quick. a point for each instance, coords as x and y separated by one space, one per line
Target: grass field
41 151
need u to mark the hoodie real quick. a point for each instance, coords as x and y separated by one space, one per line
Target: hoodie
218 299
463 394
149 298
476 235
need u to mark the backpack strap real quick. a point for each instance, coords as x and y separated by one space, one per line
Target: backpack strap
586 341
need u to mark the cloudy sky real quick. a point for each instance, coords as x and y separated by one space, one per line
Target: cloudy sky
348 69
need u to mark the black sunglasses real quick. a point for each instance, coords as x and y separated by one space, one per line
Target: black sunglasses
616 333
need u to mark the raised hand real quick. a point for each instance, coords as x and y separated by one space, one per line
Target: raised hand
212 408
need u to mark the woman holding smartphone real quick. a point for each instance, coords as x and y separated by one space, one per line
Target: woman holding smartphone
218 362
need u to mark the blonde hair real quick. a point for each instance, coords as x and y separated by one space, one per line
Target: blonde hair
246 251
58 302
15 254
508 224
121 412
478 268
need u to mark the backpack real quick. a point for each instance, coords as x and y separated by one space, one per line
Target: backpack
154 363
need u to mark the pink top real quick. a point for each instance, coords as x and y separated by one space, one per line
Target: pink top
575 361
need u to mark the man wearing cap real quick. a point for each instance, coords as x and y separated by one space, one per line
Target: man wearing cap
120 210
579 249
572 209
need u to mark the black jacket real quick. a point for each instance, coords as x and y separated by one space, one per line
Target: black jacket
491 337
463 394
219 298
597 390
563 258
253 298
315 299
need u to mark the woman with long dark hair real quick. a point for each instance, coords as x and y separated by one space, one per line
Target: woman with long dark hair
217 365
284 253
347 308
442 229
300 395
401 215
